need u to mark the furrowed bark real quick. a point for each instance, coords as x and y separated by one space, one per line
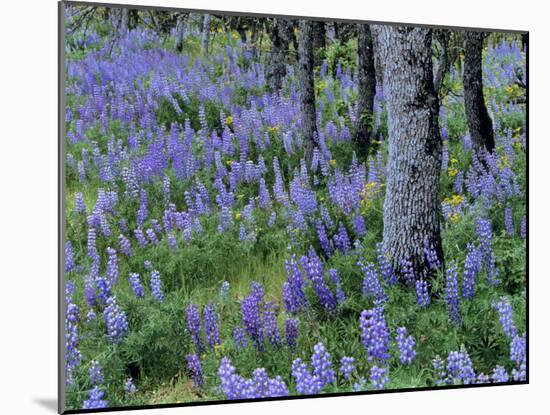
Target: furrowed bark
280 38
480 124
412 205
366 90
307 91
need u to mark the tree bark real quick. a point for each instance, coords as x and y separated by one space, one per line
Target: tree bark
480 124
205 33
280 39
443 65
366 90
412 205
180 31
307 91
124 20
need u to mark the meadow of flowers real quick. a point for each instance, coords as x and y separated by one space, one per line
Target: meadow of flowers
206 261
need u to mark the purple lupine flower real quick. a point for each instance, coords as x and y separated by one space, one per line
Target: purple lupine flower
148 265
374 334
95 373
194 366
451 294
313 267
124 245
359 225
347 366
79 205
135 283
115 320
112 267
482 378
406 346
439 367
504 310
335 279
272 219
73 356
211 325
259 386
509 221
459 368
379 377
241 341
322 366
172 242
422 295
224 289
407 271
499 375
471 268
250 309
523 227
306 383
270 324
291 332
156 288
242 232
431 255
384 264
152 236
324 241
341 240
69 257
194 326
129 386
518 354
264 199
138 233
484 233
371 283
294 296
142 212
95 399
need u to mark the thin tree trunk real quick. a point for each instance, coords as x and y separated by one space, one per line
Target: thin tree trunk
180 31
319 41
306 84
280 39
412 205
205 33
366 90
480 124
443 65
124 20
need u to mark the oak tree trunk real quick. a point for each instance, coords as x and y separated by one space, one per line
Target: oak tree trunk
479 122
205 33
366 90
280 39
306 85
412 205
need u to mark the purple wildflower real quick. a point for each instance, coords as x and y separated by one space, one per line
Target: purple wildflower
406 346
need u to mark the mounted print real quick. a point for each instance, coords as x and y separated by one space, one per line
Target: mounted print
270 207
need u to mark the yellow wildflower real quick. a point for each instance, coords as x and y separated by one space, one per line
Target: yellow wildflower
454 217
452 172
332 162
229 120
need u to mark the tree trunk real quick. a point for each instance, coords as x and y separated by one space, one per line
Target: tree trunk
480 124
319 42
280 39
180 31
124 20
205 33
412 206
443 65
366 90
306 85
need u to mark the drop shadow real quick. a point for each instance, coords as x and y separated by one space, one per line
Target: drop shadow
48 403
